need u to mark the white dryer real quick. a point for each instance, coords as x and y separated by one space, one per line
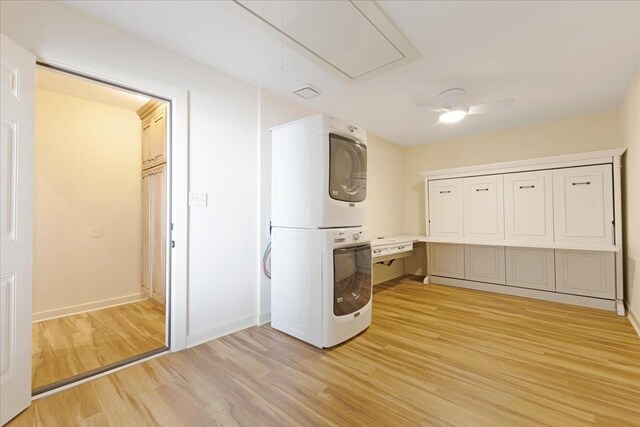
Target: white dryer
321 288
319 173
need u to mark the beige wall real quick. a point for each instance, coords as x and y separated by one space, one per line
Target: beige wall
630 118
579 134
87 174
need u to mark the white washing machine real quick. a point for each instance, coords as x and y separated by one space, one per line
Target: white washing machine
319 173
321 287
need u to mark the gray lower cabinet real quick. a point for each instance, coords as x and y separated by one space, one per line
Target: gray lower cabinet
484 264
587 273
531 268
447 260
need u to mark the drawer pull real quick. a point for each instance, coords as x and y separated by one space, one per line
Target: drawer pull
482 189
445 192
527 186
581 183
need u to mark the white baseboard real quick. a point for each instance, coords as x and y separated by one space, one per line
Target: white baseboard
633 318
529 293
83 308
220 331
264 318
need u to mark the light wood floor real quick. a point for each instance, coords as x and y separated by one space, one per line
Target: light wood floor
80 343
434 355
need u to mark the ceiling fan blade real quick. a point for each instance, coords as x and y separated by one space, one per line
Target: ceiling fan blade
489 107
431 107
437 123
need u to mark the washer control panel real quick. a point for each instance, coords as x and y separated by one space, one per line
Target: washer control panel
350 235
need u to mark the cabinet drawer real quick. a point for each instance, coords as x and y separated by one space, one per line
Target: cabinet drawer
528 206
531 268
402 247
484 264
586 273
446 260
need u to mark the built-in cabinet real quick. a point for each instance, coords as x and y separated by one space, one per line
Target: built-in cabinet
545 225
154 200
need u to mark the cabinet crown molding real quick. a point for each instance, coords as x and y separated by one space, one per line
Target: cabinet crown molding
551 162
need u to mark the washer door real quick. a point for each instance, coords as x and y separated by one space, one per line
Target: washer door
347 169
351 279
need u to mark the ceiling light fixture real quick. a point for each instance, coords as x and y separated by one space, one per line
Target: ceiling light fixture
453 115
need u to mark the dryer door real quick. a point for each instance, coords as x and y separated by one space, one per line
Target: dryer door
351 279
347 169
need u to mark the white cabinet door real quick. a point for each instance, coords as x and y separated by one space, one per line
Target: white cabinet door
583 204
483 208
445 208
528 206
531 268
484 264
446 260
586 273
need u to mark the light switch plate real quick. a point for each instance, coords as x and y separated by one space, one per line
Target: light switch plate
197 200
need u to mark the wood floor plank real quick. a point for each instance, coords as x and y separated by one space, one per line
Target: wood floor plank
433 356
79 343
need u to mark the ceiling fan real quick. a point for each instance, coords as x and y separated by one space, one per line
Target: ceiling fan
452 107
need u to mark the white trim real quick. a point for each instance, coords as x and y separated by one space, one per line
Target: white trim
264 318
96 376
220 331
600 247
528 293
617 212
84 308
178 168
633 319
552 162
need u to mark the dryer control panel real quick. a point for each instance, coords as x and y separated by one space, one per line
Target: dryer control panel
349 236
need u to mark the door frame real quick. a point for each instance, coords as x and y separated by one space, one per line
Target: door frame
177 172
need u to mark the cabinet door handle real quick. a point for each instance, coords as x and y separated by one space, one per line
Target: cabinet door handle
527 186
482 189
581 183
445 192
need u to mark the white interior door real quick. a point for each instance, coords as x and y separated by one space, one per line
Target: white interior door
16 218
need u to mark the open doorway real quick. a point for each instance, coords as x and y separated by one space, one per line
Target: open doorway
100 282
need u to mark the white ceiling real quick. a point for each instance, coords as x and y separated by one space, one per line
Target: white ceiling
557 59
78 87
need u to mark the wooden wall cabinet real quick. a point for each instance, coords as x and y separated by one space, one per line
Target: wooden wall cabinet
154 134
153 117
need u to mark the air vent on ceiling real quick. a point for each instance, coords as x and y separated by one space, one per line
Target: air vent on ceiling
307 92
353 39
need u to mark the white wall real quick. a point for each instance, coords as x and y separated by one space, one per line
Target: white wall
87 174
223 153
630 118
574 135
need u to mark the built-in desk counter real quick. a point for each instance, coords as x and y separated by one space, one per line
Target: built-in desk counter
385 250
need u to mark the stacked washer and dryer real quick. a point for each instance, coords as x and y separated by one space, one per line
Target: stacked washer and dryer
321 284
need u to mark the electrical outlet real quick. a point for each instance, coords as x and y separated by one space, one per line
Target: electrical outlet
198 200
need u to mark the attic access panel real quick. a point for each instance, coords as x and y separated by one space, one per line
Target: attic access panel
354 39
